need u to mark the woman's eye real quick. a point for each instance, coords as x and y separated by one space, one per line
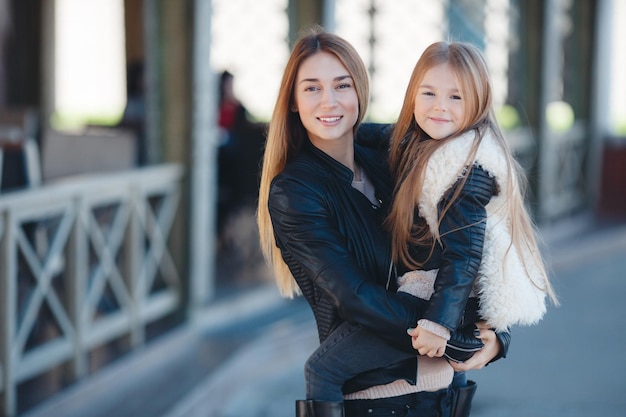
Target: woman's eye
311 88
345 85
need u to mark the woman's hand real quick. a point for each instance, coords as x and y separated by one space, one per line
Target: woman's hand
483 356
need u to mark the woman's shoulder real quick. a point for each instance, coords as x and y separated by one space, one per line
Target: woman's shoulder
374 135
301 176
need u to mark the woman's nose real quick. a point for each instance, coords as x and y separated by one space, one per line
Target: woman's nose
328 98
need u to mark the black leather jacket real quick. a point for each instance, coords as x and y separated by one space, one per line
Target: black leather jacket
331 238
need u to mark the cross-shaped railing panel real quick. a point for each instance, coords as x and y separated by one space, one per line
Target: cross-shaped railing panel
83 263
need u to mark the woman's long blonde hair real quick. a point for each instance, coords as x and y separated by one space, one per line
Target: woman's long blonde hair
286 134
410 153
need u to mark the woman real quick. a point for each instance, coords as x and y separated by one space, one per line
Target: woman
324 237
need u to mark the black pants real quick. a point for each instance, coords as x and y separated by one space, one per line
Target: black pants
420 404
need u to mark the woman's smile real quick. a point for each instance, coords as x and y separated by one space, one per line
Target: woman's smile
330 119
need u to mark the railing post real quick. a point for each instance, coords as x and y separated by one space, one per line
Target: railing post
134 271
8 316
76 256
203 176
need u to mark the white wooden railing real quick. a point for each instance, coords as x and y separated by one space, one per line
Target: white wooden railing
82 263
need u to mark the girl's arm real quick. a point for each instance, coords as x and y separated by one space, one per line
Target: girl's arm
462 232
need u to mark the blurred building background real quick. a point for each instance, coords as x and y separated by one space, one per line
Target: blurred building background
127 201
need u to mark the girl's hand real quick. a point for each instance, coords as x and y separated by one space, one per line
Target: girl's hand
483 356
427 343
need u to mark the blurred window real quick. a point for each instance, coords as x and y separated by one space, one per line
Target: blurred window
249 39
90 73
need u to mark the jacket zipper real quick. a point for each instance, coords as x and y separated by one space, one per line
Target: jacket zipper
389 274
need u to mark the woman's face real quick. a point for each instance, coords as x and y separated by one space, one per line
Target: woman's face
439 106
326 100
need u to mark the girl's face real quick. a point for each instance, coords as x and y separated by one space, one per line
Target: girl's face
439 107
327 101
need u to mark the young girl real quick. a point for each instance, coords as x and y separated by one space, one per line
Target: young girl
449 158
458 193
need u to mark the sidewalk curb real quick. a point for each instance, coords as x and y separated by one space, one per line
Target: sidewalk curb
236 308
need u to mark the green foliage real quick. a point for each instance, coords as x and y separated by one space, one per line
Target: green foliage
560 116
72 121
508 117
620 127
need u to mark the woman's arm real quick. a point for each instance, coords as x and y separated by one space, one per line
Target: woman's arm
313 248
496 347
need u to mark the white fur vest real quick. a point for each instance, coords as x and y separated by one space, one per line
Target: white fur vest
509 293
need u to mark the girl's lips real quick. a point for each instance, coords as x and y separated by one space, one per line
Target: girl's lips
437 120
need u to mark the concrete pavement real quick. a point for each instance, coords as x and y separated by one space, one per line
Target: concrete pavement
571 364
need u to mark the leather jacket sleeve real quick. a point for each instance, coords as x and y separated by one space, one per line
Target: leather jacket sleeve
308 235
374 135
504 338
462 232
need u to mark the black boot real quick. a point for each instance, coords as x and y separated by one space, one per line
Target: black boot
313 408
302 408
462 402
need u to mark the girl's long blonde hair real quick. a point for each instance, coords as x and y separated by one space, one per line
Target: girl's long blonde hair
286 134
410 153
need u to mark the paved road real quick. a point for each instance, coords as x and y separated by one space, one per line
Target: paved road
571 364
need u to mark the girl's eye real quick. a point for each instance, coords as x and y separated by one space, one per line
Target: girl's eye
455 97
428 93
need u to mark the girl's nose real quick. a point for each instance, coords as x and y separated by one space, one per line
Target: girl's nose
440 105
